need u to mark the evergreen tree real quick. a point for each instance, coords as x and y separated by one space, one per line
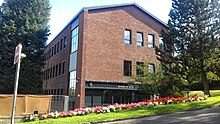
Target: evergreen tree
194 31
25 22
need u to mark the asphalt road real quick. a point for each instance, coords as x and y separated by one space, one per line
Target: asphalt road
201 116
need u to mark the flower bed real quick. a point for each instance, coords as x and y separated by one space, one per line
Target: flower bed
115 107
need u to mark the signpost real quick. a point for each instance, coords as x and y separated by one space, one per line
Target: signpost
17 59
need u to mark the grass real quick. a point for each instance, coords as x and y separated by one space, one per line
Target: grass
141 111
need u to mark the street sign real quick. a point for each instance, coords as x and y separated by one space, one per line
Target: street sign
18 56
17 53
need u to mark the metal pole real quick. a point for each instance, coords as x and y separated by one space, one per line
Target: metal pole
15 90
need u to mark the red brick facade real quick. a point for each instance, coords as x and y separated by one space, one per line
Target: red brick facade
101 48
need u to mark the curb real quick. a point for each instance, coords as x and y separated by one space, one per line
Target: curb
7 119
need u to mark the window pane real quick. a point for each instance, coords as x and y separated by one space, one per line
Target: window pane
53 70
151 41
61 44
74 45
55 49
58 47
63 67
77 30
139 69
73 61
72 84
139 41
151 68
139 37
56 72
127 37
60 66
127 42
73 32
127 68
64 40
52 53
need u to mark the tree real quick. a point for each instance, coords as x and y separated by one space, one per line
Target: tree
213 63
158 83
25 22
194 28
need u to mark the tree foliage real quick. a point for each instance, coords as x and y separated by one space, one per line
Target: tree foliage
193 36
158 83
25 22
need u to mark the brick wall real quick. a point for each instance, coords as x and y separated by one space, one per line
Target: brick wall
104 40
59 81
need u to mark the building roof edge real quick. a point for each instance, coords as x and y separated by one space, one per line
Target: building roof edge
109 6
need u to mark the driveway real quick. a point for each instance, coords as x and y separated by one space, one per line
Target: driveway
201 116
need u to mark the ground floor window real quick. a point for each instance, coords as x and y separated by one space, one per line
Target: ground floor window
108 97
72 83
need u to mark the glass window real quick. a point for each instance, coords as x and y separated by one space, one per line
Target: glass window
61 92
74 45
61 44
58 91
127 36
139 69
46 56
44 75
55 49
60 64
151 41
52 51
53 70
58 47
161 43
55 92
140 41
127 68
64 42
72 83
56 72
49 53
63 67
73 61
151 68
48 71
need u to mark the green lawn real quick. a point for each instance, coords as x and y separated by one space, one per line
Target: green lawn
200 93
141 111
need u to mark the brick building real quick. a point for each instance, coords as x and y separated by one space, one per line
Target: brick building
94 57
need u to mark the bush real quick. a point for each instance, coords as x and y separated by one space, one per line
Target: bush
215 92
200 93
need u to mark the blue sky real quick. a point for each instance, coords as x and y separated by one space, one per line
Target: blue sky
64 10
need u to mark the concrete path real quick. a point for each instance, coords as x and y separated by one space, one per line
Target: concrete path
201 116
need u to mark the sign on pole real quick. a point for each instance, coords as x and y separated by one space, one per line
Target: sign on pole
17 53
16 60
